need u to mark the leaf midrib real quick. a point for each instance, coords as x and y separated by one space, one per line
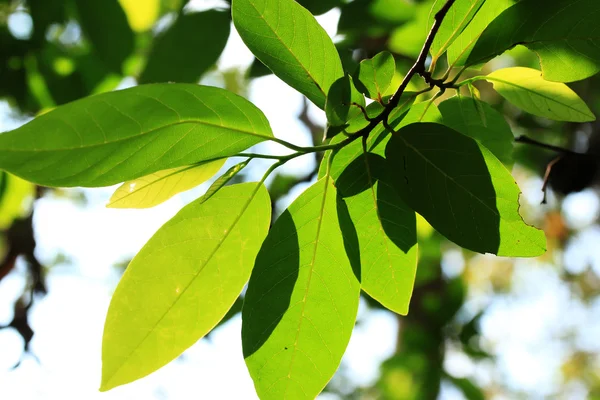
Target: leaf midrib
153 130
489 78
312 267
310 75
208 259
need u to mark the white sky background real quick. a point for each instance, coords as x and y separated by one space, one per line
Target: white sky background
69 320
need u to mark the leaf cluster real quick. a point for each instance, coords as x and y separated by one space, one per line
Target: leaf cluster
390 154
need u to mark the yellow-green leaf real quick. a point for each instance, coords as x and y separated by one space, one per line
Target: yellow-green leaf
183 282
141 14
160 186
526 89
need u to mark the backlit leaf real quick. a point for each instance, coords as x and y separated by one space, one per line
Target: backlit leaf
564 34
16 199
287 39
187 49
481 122
221 181
374 75
153 189
459 50
526 89
456 20
385 225
182 282
115 137
462 190
302 299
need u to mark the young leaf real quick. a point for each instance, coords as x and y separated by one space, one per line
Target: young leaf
564 34
526 89
374 75
302 299
182 282
459 50
188 48
385 225
114 137
457 19
223 180
481 122
160 186
105 24
344 102
287 39
462 190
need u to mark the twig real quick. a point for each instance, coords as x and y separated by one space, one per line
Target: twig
527 140
419 65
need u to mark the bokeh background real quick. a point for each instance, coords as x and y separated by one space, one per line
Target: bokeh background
479 326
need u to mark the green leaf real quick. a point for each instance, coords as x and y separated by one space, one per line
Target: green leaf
302 299
481 122
563 34
105 25
160 186
114 137
287 39
343 102
385 225
526 89
182 282
188 48
318 7
374 75
223 180
462 190
457 19
459 50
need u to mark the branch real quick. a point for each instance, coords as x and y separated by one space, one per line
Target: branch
419 65
526 140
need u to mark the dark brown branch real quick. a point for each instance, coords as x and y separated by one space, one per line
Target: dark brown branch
417 68
561 150
419 65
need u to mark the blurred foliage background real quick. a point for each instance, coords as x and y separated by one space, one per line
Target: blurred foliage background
473 317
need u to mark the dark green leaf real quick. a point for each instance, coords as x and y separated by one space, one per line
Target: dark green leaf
480 121
318 7
302 299
188 48
344 102
105 24
183 281
288 40
118 136
563 34
462 190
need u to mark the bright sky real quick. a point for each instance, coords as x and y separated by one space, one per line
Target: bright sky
69 320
